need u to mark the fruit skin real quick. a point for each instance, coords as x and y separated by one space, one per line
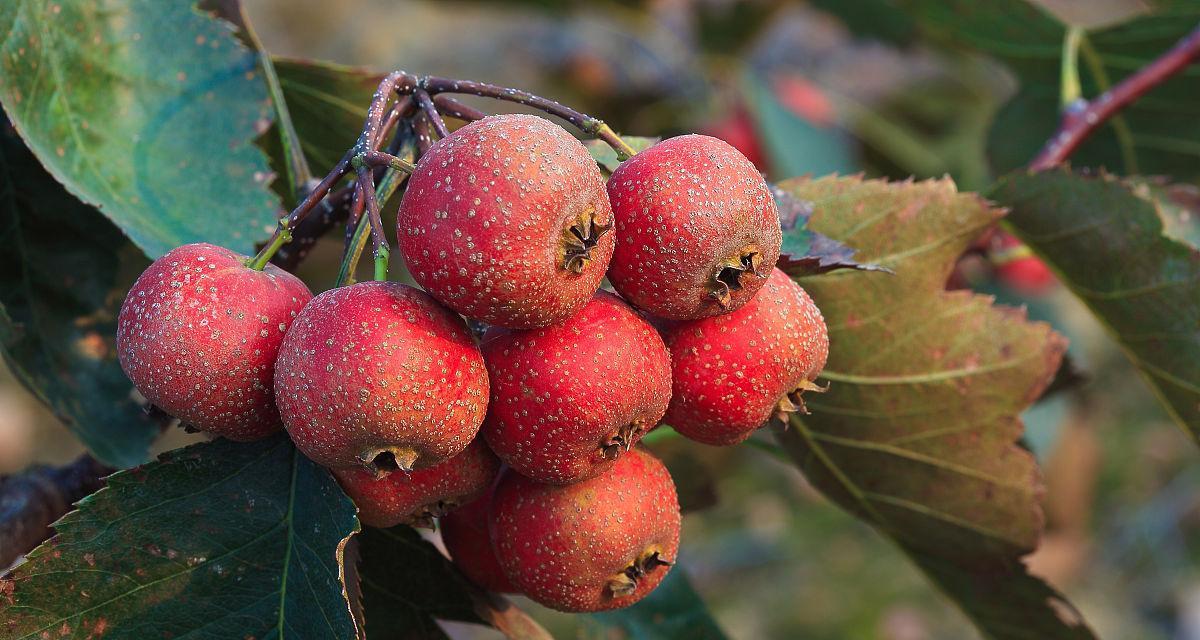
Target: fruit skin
380 367
697 229
486 219
569 546
731 373
568 399
465 534
416 497
198 334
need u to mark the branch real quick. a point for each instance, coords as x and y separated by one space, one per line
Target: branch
455 109
1078 124
32 500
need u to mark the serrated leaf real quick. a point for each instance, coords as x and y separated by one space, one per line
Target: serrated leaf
218 540
917 433
606 157
805 252
63 274
1106 243
145 108
673 611
1162 125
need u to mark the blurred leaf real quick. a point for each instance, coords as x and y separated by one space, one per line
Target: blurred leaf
406 583
328 103
218 540
153 125
795 145
673 611
806 252
63 274
917 434
606 157
879 19
1106 244
1165 132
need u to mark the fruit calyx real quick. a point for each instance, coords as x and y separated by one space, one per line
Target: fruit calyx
728 274
580 237
424 517
622 440
625 582
793 401
385 460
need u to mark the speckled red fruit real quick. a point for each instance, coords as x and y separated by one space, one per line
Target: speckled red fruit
506 221
417 497
378 374
732 373
697 229
568 399
599 544
198 335
465 534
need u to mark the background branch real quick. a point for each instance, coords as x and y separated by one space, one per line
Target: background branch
32 500
1078 124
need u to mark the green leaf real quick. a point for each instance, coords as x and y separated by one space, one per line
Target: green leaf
673 611
1164 132
1105 241
328 103
606 156
217 540
63 275
406 583
917 434
146 109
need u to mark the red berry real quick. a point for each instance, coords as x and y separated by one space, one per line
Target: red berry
378 374
1018 268
697 229
198 335
733 373
417 497
465 534
603 543
568 399
506 221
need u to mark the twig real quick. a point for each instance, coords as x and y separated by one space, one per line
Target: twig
455 109
32 500
431 112
1078 124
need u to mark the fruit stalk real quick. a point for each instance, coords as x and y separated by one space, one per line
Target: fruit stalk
455 109
433 85
431 112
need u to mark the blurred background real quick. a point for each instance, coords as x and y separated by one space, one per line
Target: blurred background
817 87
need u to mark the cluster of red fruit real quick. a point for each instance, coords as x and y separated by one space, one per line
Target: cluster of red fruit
507 221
